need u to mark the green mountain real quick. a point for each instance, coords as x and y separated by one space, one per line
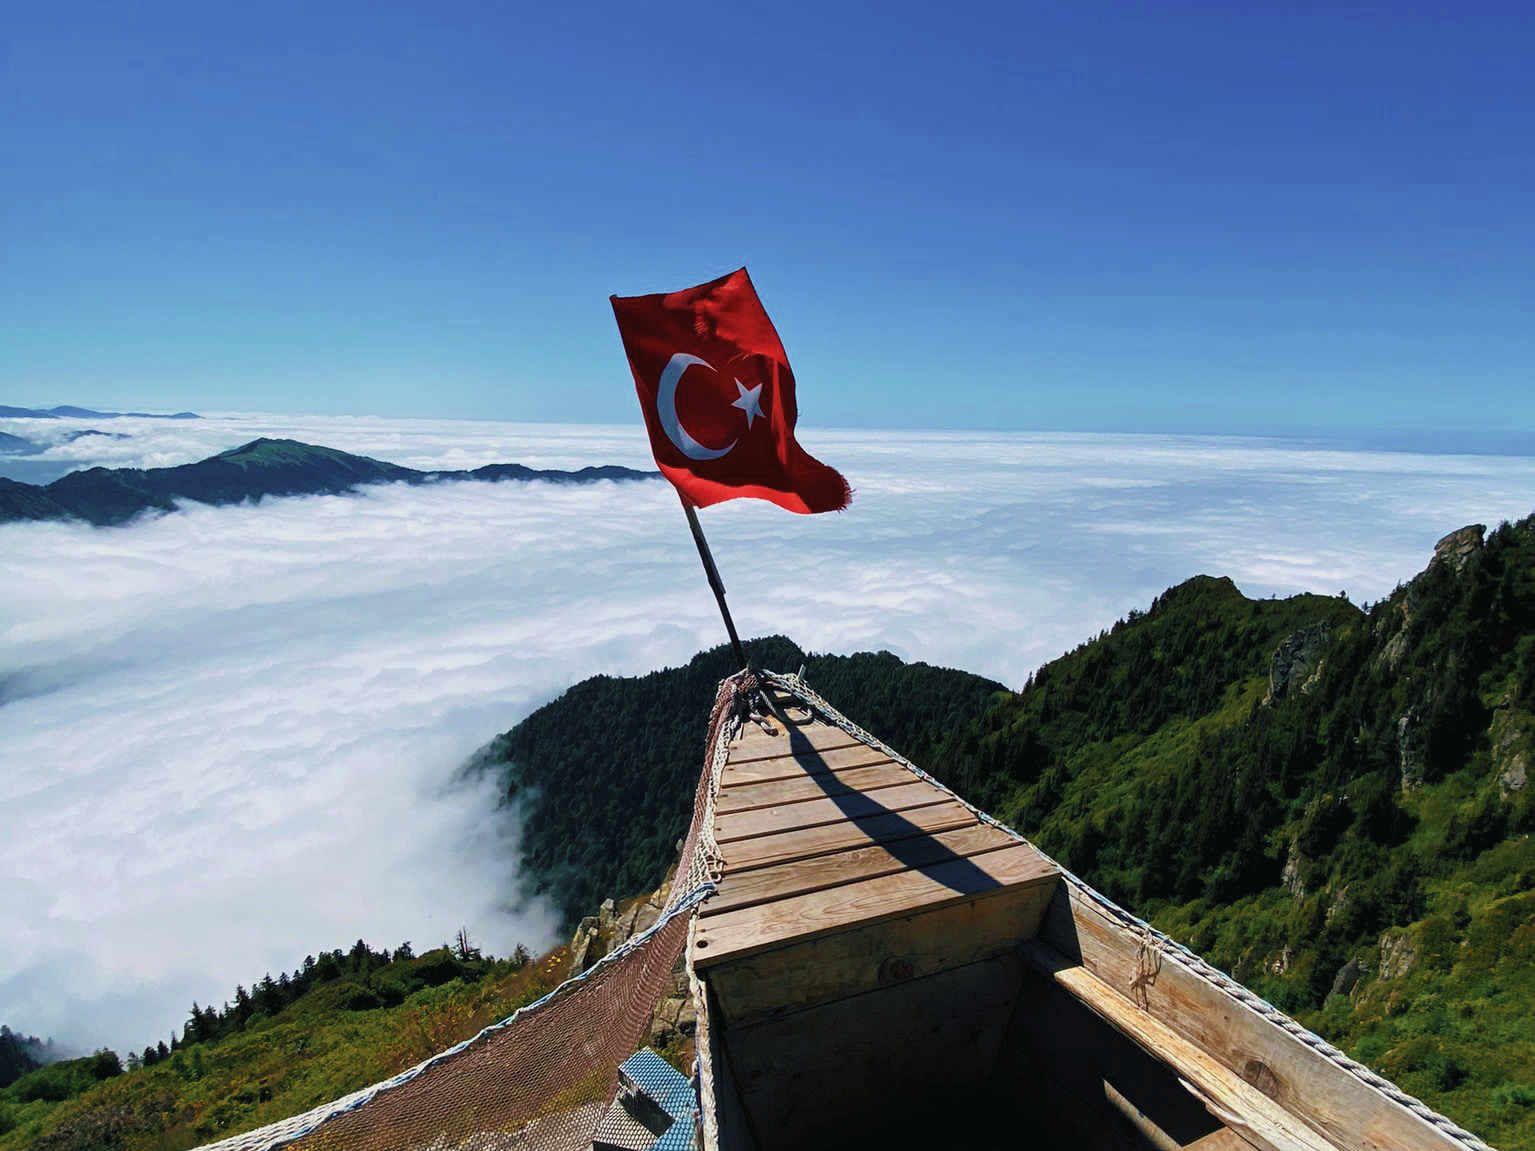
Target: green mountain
8 411
20 1054
263 467
1329 802
340 1022
604 776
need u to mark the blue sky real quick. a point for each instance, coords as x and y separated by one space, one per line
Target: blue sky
1289 219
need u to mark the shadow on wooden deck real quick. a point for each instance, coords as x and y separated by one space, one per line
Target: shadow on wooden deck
911 845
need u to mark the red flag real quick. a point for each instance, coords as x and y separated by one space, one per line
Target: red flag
718 398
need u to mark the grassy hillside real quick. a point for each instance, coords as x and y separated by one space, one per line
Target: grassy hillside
1356 849
361 1018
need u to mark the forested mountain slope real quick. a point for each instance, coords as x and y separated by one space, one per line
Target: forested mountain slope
1329 802
605 774
1342 821
20 1054
340 1022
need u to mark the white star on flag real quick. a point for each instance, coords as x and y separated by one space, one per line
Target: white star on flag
749 401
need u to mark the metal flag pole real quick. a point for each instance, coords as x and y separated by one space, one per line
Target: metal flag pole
714 578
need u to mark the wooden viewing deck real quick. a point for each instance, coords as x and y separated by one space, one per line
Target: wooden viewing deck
836 856
883 968
846 873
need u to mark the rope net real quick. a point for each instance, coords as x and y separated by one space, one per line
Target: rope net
546 1078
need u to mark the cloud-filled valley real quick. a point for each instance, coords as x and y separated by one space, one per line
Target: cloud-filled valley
230 736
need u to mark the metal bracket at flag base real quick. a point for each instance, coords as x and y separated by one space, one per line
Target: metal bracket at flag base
717 338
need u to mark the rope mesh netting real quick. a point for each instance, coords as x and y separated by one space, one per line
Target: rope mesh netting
544 1078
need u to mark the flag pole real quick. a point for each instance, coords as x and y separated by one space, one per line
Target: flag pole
714 578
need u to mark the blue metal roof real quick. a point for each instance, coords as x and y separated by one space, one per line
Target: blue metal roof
678 1137
655 1077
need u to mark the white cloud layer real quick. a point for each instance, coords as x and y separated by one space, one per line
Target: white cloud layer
231 733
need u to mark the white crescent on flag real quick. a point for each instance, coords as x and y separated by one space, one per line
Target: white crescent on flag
666 408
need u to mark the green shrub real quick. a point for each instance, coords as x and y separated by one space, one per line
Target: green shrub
51 1084
1509 1095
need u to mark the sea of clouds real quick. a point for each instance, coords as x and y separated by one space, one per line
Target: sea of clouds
230 737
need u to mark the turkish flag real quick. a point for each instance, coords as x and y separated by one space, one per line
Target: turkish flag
718 398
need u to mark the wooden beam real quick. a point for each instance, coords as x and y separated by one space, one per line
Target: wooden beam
775 983
1237 1103
767 885
1061 1066
755 929
790 767
827 839
754 743
813 812
746 797
727 1128
1351 1113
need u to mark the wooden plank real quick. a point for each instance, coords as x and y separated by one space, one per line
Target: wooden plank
1352 1114
789 767
827 839
754 929
780 982
765 885
1223 1140
748 797
825 1078
725 1126
814 812
1071 1080
754 743
1261 1121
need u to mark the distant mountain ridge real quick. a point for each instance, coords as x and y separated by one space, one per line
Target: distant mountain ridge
21 446
263 467
69 411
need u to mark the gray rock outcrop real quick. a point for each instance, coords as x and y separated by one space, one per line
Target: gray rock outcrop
1512 735
1397 955
1297 661
1409 744
1457 548
1347 977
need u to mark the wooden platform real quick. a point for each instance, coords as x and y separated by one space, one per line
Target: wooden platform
845 871
884 968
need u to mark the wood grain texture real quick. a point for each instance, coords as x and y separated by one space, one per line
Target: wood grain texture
788 766
789 979
1260 1120
1067 1077
814 812
1223 1140
730 1130
1353 1115
806 843
763 927
1059 1064
746 797
754 743
764 885
826 1077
